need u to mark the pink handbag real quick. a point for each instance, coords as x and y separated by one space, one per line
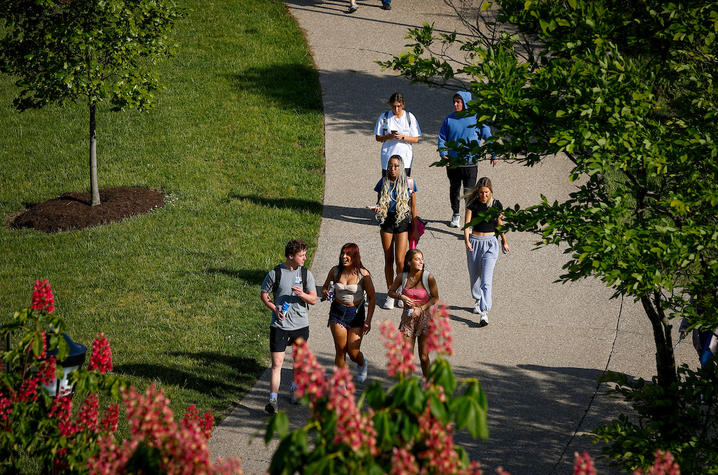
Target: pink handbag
420 228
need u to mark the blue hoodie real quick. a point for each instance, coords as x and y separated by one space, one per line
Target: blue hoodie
458 126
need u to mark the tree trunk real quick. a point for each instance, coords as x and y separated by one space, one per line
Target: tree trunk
94 189
665 362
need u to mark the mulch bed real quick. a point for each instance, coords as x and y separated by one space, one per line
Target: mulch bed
73 210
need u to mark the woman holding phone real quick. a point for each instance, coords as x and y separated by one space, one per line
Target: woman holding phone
397 129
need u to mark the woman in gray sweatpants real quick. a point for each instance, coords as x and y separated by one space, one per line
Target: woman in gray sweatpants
482 247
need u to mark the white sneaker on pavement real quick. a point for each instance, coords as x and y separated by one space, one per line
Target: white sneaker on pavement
363 371
484 319
455 221
477 307
388 303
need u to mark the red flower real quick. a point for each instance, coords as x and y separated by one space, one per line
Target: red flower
439 336
583 465
101 358
42 298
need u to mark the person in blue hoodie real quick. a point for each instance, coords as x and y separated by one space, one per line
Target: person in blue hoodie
460 126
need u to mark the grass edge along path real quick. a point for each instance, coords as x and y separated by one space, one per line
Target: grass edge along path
236 143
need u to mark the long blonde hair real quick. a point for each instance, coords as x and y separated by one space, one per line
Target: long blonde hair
473 194
401 186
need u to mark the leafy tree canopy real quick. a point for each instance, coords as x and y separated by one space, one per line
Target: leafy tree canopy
626 91
64 50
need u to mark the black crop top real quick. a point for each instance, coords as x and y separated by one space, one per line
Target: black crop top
476 207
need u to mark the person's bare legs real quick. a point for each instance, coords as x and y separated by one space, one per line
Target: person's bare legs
354 337
276 376
387 241
339 333
401 242
424 354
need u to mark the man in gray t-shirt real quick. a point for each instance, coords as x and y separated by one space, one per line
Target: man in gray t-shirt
289 306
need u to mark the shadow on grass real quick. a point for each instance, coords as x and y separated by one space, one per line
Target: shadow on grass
250 276
244 372
340 213
272 82
298 204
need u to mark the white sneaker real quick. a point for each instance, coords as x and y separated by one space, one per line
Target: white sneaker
388 303
455 221
477 307
363 371
484 319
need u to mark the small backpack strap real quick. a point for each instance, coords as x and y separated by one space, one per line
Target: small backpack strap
403 282
277 278
425 280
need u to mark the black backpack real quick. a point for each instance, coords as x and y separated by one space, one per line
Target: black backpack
278 277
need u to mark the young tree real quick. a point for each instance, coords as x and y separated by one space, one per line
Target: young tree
627 92
65 50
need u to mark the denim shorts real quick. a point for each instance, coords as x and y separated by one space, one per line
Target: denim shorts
346 315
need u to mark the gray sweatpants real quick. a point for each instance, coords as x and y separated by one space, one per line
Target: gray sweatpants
481 261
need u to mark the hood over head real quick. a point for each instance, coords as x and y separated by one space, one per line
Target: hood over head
465 96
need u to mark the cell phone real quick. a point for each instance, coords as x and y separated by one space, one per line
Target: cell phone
394 132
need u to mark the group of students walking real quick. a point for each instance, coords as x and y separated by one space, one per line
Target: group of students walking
349 284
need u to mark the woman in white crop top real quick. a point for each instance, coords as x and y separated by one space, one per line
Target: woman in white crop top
349 321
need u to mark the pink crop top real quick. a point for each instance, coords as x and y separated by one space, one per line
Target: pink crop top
420 296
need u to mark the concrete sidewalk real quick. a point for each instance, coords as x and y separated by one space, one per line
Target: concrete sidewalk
546 345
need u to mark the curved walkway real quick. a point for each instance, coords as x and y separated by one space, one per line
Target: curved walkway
546 345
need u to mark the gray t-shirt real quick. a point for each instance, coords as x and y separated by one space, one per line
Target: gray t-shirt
297 316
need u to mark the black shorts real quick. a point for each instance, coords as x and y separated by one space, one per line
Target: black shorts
280 338
392 227
346 315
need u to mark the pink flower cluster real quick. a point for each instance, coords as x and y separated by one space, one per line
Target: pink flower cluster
353 428
401 358
42 298
308 374
664 464
439 440
583 464
87 418
28 391
403 462
192 417
182 447
439 338
101 358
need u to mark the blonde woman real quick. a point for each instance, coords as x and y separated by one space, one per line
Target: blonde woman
482 247
396 211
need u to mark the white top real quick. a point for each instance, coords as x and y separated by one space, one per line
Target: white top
385 124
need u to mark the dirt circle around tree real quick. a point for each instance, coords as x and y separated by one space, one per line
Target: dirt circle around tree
73 211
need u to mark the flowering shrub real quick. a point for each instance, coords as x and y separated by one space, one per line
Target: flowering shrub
34 425
663 464
157 443
406 429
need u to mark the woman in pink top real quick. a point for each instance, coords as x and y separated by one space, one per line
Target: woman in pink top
348 320
416 287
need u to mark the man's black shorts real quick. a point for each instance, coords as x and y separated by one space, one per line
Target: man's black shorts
279 338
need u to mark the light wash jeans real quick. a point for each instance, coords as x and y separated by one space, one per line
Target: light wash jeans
481 262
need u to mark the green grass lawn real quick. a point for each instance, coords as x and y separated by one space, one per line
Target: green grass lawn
236 143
